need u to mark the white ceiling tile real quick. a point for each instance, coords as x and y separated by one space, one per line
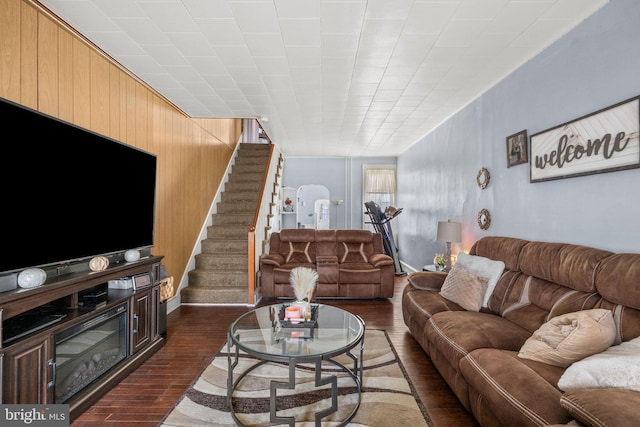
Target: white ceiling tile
297 9
184 73
169 16
384 9
207 64
221 82
221 32
461 33
142 30
342 17
268 66
229 95
322 72
191 44
164 80
300 32
166 55
339 45
304 56
252 89
245 74
429 17
265 44
206 9
517 17
120 9
481 10
255 16
235 56
199 88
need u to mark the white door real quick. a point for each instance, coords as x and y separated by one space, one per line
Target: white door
321 212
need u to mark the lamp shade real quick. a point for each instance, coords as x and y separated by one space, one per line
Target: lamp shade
449 231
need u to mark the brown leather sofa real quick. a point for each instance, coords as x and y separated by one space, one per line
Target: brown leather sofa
477 352
350 263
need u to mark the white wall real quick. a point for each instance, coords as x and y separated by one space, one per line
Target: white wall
342 176
594 66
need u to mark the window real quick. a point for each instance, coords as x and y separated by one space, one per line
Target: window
379 183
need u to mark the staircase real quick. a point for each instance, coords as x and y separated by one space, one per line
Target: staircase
221 269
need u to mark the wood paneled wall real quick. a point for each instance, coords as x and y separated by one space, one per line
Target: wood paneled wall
48 67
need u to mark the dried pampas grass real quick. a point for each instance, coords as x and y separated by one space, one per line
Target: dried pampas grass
303 280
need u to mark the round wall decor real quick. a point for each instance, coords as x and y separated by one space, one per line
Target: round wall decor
484 219
483 178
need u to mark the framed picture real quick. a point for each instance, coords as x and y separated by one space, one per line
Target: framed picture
517 148
604 141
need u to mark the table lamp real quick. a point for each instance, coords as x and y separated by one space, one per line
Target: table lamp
449 232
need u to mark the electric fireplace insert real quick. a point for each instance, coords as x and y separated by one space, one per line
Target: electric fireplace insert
87 350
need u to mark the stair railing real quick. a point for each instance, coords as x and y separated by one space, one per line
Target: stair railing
259 231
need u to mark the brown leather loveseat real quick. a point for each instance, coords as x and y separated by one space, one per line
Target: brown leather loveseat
481 354
350 263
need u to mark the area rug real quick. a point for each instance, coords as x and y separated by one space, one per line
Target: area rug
387 394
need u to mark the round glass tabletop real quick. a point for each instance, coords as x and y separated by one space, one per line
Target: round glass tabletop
266 333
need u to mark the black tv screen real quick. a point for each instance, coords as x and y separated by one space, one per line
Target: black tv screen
69 194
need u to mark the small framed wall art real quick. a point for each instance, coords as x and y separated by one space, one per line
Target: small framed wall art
517 148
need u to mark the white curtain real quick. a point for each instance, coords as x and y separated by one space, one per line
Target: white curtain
379 187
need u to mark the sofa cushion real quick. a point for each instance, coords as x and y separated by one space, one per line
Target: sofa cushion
359 272
572 266
464 288
484 267
616 367
516 391
351 252
612 271
298 252
603 408
570 337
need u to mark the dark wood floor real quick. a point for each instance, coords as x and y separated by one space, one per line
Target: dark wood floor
196 333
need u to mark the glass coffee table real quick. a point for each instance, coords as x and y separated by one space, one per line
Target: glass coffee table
313 344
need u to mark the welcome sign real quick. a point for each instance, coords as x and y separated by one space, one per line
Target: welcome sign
605 141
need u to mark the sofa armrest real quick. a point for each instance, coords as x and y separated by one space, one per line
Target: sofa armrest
327 268
602 407
427 280
272 259
379 260
326 259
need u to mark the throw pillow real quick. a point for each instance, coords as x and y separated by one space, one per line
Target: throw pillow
616 367
484 267
571 337
464 288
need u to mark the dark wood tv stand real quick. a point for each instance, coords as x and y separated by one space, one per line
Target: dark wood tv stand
27 364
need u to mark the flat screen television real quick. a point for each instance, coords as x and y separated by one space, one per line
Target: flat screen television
69 194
